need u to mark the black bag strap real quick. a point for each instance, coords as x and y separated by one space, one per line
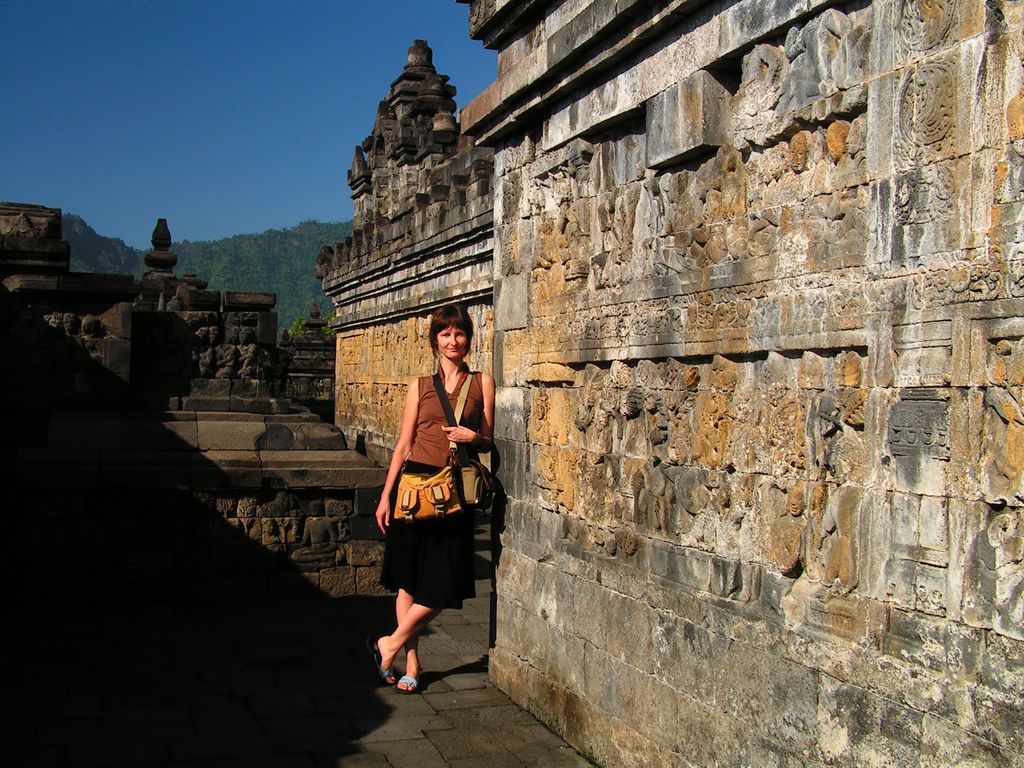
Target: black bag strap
461 453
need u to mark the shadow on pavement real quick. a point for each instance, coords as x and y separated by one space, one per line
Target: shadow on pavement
282 682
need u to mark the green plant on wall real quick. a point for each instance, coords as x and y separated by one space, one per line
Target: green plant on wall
298 325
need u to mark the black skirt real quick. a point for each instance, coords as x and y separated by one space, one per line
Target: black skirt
432 560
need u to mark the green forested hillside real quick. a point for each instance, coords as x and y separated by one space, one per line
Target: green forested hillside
91 252
280 261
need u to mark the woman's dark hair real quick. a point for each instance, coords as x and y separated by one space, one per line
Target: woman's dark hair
448 316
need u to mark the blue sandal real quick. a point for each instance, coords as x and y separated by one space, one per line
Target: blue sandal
411 684
387 676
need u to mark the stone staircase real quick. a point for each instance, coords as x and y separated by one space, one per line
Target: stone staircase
200 450
268 498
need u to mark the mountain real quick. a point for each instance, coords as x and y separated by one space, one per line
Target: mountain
280 261
91 252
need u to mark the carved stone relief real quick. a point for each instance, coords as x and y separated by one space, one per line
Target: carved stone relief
925 119
967 280
918 440
994 589
702 436
922 26
1003 444
763 72
821 59
839 442
825 56
84 332
1011 190
563 230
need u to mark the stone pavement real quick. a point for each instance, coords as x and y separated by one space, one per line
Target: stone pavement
279 684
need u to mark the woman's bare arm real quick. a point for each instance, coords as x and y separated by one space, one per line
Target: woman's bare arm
402 450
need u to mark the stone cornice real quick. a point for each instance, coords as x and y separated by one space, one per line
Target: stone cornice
600 39
411 280
492 21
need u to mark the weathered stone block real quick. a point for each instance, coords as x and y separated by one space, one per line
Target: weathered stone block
254 405
117 355
225 468
279 437
550 417
210 388
317 469
689 118
1003 447
621 626
511 413
214 404
365 528
688 567
368 581
362 553
266 328
850 618
1000 719
735 580
250 388
229 435
151 434
683 645
144 469
774 589
855 725
364 503
117 321
775 697
338 582
946 744
511 303
934 644
1003 664
645 703
276 437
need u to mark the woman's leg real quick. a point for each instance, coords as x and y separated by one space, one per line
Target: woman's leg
412 618
403 603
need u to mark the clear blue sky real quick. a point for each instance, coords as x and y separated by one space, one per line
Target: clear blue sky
222 116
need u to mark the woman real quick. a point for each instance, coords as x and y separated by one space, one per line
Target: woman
430 563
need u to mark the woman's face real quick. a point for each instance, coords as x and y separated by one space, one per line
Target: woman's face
451 343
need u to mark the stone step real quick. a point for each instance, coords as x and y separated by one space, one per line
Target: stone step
189 431
326 469
196 470
195 450
278 437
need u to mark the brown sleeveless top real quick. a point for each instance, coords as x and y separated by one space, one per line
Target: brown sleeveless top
430 444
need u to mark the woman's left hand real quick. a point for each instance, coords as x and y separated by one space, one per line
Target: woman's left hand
461 434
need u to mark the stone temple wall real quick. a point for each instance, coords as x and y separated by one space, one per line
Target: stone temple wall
758 336
422 237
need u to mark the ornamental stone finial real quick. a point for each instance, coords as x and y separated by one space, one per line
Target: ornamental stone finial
420 55
160 258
